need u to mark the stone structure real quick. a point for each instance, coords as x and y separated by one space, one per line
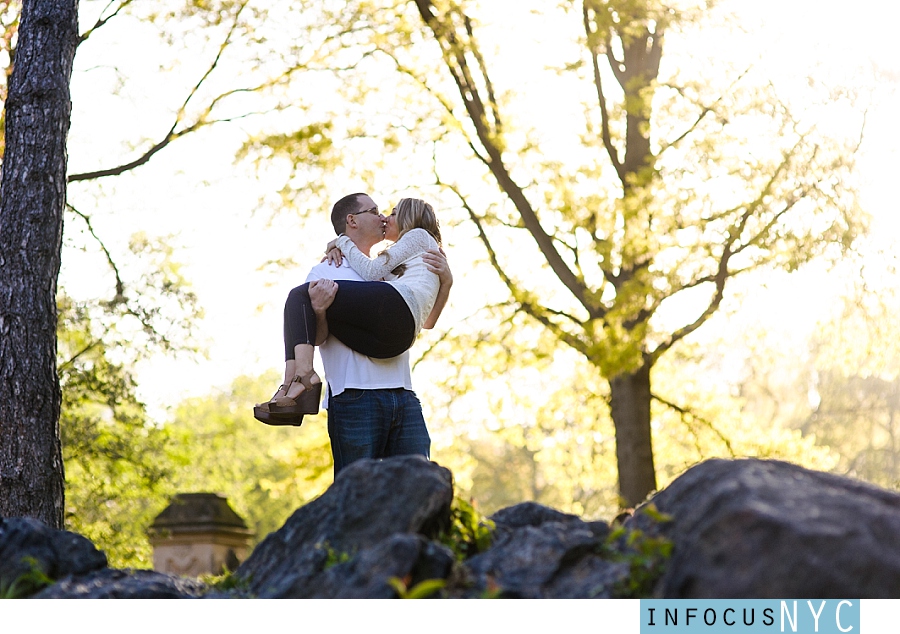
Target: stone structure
198 533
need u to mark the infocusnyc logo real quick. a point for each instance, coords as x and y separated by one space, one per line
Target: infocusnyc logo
750 616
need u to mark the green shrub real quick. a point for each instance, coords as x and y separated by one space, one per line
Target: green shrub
28 583
469 532
647 556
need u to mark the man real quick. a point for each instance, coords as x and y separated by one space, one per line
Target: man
372 409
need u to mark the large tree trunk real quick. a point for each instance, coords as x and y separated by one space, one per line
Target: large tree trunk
630 405
32 200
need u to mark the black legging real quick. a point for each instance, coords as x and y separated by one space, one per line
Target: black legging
369 317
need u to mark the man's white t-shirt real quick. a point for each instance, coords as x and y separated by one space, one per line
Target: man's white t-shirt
347 369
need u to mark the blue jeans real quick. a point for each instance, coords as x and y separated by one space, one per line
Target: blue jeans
376 424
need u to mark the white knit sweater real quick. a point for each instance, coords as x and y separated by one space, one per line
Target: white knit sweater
416 284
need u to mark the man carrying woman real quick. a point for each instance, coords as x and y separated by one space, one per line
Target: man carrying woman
372 410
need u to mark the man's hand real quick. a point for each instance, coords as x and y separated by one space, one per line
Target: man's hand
321 294
436 261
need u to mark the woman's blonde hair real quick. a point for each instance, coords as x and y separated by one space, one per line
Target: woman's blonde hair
413 213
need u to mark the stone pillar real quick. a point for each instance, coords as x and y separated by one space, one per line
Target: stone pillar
197 534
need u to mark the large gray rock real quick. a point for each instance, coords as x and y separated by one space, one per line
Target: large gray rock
534 514
770 529
124 584
369 502
530 514
539 552
29 547
407 558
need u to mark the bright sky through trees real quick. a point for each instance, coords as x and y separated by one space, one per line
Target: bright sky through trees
193 191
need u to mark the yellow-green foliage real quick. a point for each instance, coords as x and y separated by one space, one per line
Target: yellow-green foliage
116 467
333 557
647 556
121 471
265 472
422 590
538 428
469 532
226 582
28 583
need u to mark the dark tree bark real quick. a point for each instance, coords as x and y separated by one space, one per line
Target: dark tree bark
32 199
630 399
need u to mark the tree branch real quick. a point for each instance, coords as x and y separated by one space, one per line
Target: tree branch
719 279
173 132
734 245
65 365
685 413
103 20
528 306
489 87
705 110
441 99
120 285
611 150
614 64
458 67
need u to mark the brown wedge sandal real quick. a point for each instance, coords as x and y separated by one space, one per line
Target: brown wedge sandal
262 414
307 402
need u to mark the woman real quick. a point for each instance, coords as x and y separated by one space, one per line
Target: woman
377 319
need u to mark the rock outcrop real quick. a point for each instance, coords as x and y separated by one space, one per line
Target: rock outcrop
375 508
124 584
724 529
539 552
31 551
770 529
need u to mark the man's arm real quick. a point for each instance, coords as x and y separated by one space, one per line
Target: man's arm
436 261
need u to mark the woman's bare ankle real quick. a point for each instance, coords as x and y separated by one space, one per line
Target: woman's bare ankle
296 385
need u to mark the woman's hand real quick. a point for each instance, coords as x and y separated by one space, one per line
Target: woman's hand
333 256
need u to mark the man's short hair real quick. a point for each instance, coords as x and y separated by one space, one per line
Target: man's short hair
347 205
